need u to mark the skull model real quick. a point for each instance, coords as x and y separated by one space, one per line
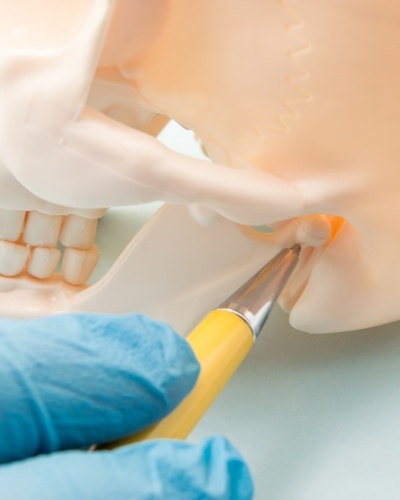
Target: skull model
296 102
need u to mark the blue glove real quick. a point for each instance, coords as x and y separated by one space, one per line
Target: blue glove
69 381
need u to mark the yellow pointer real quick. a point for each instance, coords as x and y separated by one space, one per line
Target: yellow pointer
221 342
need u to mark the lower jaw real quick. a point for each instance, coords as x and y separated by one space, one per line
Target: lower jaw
25 293
298 282
28 296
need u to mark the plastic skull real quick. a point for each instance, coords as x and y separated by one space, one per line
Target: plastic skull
296 103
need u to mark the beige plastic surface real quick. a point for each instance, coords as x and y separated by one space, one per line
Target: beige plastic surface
295 101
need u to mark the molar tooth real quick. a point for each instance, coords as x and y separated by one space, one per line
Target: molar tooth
42 230
78 232
11 222
13 258
78 265
43 262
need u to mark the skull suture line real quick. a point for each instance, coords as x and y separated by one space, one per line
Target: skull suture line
300 97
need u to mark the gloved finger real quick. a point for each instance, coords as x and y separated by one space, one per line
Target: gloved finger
69 381
155 469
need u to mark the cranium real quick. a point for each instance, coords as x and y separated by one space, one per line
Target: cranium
296 102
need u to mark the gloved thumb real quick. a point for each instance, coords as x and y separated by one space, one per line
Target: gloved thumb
163 469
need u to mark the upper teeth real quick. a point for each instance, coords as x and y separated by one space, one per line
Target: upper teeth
28 241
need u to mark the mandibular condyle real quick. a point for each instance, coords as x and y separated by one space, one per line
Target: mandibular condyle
298 122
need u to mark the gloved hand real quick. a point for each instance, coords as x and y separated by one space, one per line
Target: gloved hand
69 381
